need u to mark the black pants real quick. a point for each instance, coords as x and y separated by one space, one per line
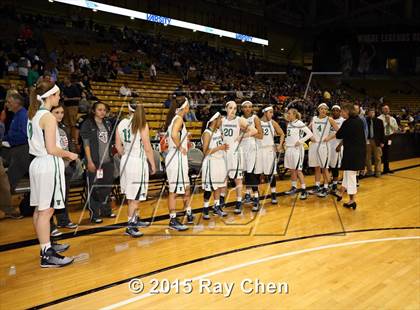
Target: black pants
18 159
385 155
100 190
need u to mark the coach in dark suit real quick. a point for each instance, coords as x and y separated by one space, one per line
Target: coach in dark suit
354 153
374 142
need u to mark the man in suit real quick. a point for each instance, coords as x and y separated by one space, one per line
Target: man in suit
374 142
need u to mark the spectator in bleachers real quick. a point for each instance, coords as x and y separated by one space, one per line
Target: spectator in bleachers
85 83
152 72
190 116
84 104
51 71
390 128
140 76
72 96
168 101
23 67
16 140
84 64
33 75
125 91
71 65
127 69
374 143
96 134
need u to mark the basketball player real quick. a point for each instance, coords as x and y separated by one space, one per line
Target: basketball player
234 128
268 150
133 145
213 171
319 150
297 134
336 149
46 172
250 151
176 163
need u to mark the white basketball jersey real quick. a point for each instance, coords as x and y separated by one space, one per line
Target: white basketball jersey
339 121
36 139
231 130
268 133
216 140
183 138
251 123
320 128
131 142
294 132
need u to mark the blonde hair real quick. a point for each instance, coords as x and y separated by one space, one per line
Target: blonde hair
296 113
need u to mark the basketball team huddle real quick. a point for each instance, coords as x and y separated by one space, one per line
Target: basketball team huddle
244 149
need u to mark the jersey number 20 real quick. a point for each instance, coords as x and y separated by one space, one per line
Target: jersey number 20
228 132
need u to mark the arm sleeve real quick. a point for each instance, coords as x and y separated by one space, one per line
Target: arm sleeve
84 132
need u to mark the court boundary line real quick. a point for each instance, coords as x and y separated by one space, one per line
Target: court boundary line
266 259
95 230
204 258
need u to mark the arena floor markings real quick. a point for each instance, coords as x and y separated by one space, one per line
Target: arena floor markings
324 255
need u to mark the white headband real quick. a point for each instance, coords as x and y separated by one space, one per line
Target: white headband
267 109
183 106
131 109
335 107
229 102
216 115
52 91
246 102
323 105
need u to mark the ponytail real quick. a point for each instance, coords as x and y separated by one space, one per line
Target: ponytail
139 116
171 113
41 87
296 113
34 103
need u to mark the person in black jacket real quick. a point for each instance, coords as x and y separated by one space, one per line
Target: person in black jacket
374 142
97 139
354 153
62 215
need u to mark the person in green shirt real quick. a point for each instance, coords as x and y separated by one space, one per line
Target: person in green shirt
33 75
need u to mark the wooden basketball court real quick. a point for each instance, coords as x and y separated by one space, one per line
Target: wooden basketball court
312 253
